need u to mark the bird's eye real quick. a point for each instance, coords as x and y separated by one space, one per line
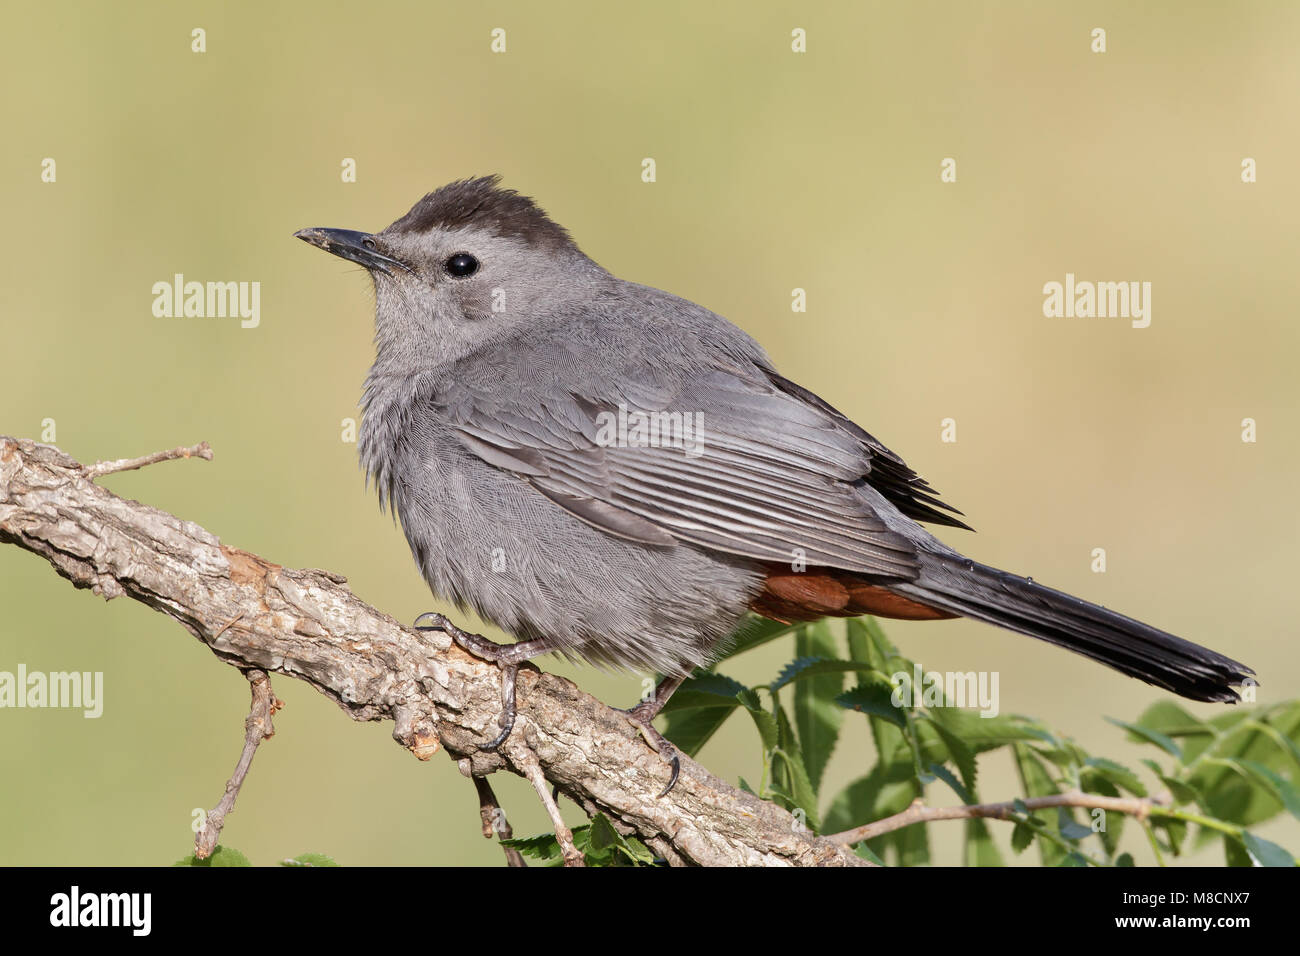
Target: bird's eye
460 265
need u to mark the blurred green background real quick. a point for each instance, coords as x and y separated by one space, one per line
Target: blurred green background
776 170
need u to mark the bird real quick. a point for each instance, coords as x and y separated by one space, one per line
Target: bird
506 359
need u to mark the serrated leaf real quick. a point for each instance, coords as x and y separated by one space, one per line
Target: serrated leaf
980 848
796 778
1021 837
1068 827
690 730
1146 735
986 732
941 772
805 667
1037 782
875 699
544 846
704 689
764 719
1112 823
1117 774
816 715
755 632
961 756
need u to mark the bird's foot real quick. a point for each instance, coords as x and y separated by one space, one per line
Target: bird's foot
507 657
640 717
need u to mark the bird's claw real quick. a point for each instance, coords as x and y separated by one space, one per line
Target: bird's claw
640 716
493 653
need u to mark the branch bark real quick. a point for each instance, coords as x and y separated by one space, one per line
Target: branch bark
306 624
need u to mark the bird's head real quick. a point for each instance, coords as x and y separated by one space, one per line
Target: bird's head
466 265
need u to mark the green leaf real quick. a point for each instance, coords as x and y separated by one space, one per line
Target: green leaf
1175 832
1117 774
764 719
1021 837
755 632
704 689
603 835
816 714
309 859
794 772
1145 735
1167 718
690 730
637 852
544 846
1275 783
1037 782
1112 823
221 856
1264 853
947 776
803 668
1181 792
865 851
1125 859
1226 791
961 756
1068 827
980 848
986 733
1234 852
874 698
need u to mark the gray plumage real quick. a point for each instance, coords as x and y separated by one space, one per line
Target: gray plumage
481 432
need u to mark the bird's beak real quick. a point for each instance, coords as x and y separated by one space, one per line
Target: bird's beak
360 247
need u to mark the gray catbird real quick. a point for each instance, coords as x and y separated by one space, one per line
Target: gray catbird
510 421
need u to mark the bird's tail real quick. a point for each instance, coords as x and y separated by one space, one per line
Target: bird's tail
964 587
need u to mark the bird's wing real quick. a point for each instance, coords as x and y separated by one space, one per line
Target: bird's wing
752 465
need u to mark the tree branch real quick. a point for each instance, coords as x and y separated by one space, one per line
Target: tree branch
306 624
257 727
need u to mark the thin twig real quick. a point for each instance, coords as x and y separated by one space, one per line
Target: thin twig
100 468
918 812
533 771
257 727
494 820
